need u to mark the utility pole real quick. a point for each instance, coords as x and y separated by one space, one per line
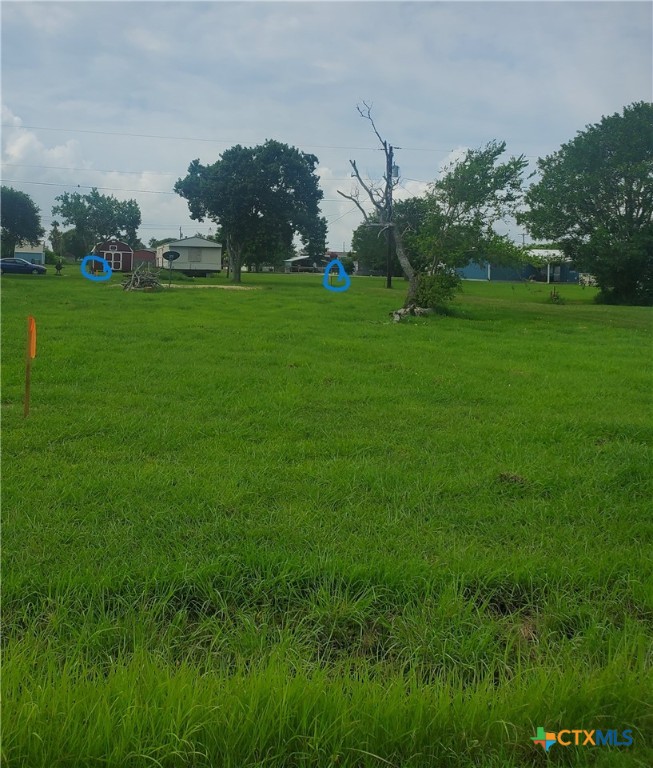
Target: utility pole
383 209
388 190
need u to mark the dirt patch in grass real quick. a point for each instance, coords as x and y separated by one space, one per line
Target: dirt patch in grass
224 287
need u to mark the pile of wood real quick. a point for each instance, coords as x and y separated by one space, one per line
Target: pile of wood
411 310
143 278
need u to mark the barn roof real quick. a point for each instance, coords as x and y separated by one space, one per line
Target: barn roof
103 245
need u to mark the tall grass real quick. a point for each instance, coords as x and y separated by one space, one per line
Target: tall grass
272 528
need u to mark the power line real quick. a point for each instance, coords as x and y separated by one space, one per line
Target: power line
214 141
86 186
156 173
173 138
331 221
119 189
197 225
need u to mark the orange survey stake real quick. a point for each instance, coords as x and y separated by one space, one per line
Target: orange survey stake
31 337
31 354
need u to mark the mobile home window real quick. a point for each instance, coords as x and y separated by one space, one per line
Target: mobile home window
194 254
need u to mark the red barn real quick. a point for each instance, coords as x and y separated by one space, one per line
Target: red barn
119 255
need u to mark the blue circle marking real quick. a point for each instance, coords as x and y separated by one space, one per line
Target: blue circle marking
106 274
342 275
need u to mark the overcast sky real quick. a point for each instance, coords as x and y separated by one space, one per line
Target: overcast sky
442 77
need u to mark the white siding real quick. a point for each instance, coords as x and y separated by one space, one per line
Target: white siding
195 253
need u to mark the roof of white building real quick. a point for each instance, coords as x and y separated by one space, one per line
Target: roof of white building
194 241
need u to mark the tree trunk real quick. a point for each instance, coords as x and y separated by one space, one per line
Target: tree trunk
407 267
235 259
9 243
236 266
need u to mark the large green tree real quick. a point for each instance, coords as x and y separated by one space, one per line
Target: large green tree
98 217
464 206
21 219
261 197
595 197
72 245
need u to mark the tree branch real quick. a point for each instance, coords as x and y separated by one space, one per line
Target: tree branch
376 203
356 203
367 115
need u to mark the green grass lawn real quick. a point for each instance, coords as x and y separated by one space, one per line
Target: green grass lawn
272 528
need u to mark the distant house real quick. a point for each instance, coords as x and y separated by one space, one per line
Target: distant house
301 263
198 256
35 254
362 268
118 254
305 263
548 266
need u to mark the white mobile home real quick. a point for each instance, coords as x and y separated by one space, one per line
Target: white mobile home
197 256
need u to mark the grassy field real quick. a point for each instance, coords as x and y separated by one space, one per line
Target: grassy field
271 528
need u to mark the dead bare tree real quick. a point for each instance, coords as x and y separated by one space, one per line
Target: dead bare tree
381 198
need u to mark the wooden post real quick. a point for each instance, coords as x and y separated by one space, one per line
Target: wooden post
388 207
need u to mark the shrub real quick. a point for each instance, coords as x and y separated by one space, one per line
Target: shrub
348 263
555 297
437 289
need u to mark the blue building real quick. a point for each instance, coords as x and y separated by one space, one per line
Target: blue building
549 266
35 254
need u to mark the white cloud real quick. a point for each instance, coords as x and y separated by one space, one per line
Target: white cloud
442 76
49 19
149 41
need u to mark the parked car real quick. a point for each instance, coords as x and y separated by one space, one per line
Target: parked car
21 266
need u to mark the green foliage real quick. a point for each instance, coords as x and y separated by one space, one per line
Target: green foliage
555 297
261 197
623 267
437 289
500 251
454 223
264 250
349 264
370 248
463 206
50 256
21 219
595 196
154 243
409 216
73 245
98 217
55 236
